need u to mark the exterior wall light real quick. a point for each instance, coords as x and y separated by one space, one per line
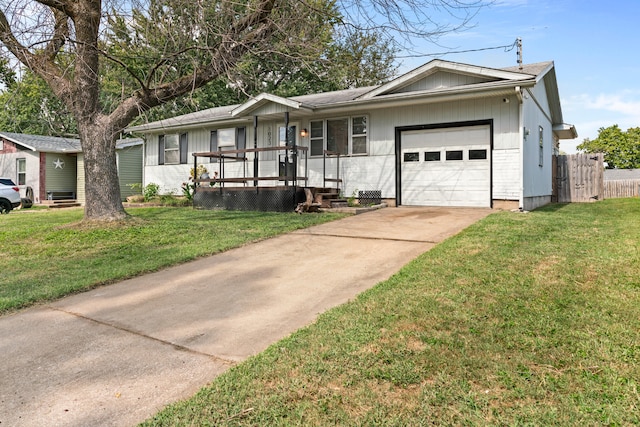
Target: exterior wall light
303 133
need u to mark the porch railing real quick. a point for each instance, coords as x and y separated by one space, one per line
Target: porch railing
241 155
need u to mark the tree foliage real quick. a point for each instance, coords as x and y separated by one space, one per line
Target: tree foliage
621 149
31 107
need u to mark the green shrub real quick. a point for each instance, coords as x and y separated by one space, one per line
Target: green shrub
151 191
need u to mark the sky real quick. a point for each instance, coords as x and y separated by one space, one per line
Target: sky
595 46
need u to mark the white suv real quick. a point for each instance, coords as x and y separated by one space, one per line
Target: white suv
9 195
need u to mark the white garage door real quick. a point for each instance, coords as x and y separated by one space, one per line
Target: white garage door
446 167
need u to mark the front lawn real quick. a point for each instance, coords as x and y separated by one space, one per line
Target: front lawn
48 254
522 319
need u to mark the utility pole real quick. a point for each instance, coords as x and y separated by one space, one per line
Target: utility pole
519 43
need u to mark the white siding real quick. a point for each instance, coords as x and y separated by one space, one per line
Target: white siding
358 173
506 174
168 177
8 168
537 179
442 79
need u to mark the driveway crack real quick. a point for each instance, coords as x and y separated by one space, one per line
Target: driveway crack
391 239
178 347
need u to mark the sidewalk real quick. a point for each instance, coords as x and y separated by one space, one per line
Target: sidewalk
116 355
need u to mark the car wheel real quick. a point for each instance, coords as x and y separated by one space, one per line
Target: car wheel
5 207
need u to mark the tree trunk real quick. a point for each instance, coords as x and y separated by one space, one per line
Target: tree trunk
102 189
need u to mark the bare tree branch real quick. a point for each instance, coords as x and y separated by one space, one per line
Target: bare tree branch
60 34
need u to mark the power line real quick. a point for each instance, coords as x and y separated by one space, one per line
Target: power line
507 48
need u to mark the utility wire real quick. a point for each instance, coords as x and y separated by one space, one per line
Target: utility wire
507 48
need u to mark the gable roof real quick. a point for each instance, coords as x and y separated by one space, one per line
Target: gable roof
49 144
481 74
265 99
419 85
54 144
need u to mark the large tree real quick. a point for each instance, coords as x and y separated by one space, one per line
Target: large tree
621 149
176 47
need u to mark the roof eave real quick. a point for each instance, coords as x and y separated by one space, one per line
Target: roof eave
492 89
144 129
267 98
15 141
440 95
565 131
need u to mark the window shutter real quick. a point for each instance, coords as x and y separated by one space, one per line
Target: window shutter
184 148
161 150
241 140
213 144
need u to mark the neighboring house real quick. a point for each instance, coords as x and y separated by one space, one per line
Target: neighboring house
444 134
53 167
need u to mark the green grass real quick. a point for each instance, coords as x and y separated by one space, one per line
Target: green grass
49 254
522 319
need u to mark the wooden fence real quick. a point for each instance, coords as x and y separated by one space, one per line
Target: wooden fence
621 188
579 178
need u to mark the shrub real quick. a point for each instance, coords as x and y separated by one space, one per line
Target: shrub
151 191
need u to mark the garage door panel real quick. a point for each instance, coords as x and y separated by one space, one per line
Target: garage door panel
462 198
445 182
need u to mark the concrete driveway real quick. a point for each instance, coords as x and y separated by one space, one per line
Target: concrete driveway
118 354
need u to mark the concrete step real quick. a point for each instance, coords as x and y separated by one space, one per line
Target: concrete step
338 203
57 204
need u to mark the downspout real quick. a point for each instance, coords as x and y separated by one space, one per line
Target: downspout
521 151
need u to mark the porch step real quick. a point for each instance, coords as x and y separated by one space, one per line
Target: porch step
63 203
323 196
326 199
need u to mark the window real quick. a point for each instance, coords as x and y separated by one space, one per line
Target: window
412 157
454 155
316 138
172 149
477 154
432 156
22 171
287 138
228 139
338 136
347 136
540 146
359 135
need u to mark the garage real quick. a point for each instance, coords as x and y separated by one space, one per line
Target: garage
446 166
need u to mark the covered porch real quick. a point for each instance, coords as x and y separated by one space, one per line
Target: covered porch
250 179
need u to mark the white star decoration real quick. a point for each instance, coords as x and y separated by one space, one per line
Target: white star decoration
58 164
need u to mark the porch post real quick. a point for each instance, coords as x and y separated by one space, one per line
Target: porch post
255 154
195 173
286 146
